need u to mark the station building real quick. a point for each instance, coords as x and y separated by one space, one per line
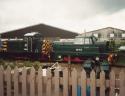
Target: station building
108 33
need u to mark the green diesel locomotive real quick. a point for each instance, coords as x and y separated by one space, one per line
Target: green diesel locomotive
80 49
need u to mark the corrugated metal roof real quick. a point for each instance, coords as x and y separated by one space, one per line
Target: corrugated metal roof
45 30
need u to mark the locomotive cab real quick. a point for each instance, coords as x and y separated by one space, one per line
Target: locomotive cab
33 41
85 40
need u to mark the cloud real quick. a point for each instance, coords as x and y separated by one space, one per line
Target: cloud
96 22
105 20
111 6
68 14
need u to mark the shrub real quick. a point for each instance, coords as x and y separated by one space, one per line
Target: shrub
36 65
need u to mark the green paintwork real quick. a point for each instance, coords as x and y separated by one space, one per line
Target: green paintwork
81 50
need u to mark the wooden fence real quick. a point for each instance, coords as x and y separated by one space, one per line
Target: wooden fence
29 82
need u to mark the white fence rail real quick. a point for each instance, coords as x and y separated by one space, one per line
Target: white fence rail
29 82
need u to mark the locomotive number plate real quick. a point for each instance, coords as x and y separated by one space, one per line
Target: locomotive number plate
79 49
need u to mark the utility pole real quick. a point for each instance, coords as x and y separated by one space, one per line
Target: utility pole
85 32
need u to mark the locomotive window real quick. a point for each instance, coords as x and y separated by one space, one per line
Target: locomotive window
87 41
94 39
78 41
83 41
90 41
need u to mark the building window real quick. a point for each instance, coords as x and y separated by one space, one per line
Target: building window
123 35
112 35
96 35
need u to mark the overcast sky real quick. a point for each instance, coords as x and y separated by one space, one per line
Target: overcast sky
74 15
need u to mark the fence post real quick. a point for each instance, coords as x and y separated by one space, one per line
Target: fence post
92 83
74 82
8 76
24 82
32 81
56 82
65 82
40 85
49 83
16 86
1 81
112 83
122 83
83 83
102 83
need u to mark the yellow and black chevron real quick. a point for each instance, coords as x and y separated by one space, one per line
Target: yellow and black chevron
46 47
4 46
